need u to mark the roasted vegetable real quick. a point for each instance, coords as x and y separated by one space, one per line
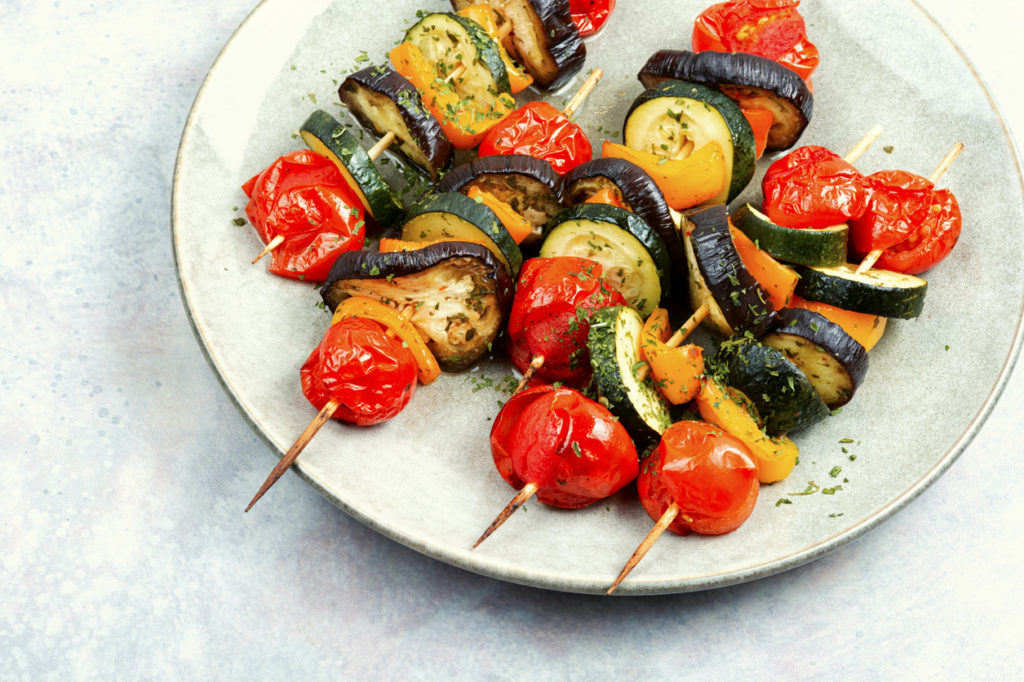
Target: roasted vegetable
876 292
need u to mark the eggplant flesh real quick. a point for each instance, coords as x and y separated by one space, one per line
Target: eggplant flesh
832 360
456 293
382 100
544 39
737 302
754 82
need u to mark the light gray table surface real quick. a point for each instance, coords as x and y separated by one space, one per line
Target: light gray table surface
123 550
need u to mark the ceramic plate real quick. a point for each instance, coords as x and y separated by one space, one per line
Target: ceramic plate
426 478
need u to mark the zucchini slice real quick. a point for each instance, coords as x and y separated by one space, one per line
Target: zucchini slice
875 292
543 39
382 100
634 257
784 397
614 344
637 191
456 293
830 358
449 41
323 134
754 82
674 118
527 184
736 301
456 216
809 246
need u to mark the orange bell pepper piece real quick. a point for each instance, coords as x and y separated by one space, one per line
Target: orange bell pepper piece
606 196
760 121
676 371
518 79
684 182
866 329
517 226
778 279
427 368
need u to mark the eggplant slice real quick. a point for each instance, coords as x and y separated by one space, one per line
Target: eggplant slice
638 193
543 39
457 293
751 80
527 184
383 101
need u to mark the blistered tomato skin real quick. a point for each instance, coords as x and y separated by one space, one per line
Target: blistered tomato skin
550 316
590 16
570 446
303 198
539 130
361 367
707 473
813 187
935 236
897 203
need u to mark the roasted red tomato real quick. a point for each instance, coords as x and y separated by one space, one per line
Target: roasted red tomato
932 240
368 372
707 473
571 447
897 202
551 314
303 198
538 129
813 187
768 28
590 15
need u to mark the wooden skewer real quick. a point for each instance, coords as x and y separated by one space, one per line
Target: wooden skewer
525 493
456 73
862 146
698 316
873 256
293 452
663 523
536 363
271 245
582 93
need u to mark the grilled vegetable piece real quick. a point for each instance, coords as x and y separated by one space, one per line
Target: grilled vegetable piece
783 395
755 82
543 39
449 41
674 118
614 347
638 193
876 292
810 246
832 361
528 185
635 260
457 293
323 134
455 216
383 101
737 303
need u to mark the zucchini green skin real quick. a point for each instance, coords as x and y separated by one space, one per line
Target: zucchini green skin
814 247
323 134
876 292
628 222
486 49
614 345
783 395
467 211
743 148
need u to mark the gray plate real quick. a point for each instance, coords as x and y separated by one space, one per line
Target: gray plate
426 478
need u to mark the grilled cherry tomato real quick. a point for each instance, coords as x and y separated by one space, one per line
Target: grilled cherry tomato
551 314
707 473
768 28
590 15
304 198
571 447
538 129
813 187
932 240
897 202
367 371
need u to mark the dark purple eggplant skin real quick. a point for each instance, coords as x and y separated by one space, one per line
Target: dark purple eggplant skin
383 276
639 192
744 302
822 333
735 71
559 34
427 134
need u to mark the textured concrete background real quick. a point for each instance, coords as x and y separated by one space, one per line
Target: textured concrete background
123 554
